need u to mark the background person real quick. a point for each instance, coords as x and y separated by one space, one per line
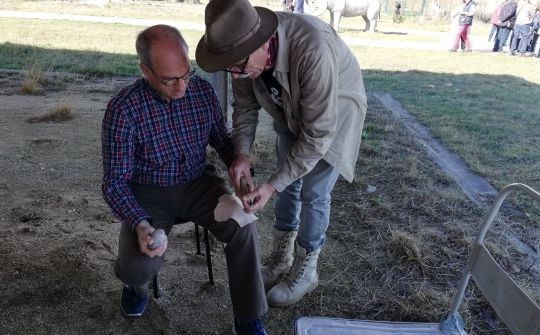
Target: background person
465 22
522 29
494 20
300 71
154 139
507 19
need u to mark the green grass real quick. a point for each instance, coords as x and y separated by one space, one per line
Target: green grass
483 106
69 46
142 10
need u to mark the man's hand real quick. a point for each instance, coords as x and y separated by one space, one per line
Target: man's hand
240 168
258 198
144 234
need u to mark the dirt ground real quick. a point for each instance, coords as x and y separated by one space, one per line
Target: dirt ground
393 252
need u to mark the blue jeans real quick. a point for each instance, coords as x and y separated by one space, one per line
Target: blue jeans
299 6
501 38
305 204
522 32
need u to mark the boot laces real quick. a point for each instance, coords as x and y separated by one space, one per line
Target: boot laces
299 269
278 254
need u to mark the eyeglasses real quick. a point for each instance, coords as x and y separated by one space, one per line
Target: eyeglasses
238 69
173 81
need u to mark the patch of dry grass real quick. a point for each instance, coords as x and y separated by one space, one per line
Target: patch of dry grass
403 247
32 78
62 112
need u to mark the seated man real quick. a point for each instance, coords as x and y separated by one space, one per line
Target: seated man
154 138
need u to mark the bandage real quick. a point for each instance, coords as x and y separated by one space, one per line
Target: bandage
230 207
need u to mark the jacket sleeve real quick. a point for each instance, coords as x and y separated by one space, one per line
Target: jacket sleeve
245 115
317 115
220 137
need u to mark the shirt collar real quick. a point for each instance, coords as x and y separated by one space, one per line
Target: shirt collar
153 92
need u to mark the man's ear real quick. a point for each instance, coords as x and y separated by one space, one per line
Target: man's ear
144 69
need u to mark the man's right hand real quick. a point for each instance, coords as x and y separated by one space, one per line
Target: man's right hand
144 234
240 167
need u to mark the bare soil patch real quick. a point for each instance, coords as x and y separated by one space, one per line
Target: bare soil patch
393 254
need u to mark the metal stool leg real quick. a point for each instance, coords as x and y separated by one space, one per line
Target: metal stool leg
155 287
197 239
208 257
208 253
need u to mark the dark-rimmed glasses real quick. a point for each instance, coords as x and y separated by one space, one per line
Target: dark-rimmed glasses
173 81
238 69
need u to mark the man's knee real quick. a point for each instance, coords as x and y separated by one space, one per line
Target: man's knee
137 271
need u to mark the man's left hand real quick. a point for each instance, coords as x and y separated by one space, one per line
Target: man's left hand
258 198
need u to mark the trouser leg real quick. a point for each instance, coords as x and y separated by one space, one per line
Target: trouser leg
242 247
287 204
513 44
316 202
525 35
305 204
134 268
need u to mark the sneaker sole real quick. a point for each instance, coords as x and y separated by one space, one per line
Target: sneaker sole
136 315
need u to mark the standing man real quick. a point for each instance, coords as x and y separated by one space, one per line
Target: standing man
507 19
300 71
154 138
522 29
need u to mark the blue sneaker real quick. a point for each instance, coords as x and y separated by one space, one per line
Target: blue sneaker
131 303
254 327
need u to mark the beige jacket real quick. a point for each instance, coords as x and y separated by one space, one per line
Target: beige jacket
323 95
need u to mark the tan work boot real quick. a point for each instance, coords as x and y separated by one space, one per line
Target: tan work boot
281 258
303 279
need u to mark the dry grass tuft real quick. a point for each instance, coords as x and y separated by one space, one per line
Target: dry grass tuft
62 112
403 247
33 77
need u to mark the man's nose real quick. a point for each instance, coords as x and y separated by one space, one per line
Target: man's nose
181 83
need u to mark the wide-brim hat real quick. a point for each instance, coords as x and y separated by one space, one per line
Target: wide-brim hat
234 30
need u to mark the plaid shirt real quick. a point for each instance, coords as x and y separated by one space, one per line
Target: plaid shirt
147 140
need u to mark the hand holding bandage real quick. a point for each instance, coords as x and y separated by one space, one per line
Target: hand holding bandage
230 207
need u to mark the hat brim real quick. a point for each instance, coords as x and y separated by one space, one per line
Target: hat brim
216 61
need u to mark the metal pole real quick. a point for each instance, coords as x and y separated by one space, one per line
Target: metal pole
220 81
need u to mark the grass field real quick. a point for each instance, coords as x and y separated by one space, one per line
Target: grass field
483 106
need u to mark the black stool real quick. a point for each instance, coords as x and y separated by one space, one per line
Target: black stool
155 282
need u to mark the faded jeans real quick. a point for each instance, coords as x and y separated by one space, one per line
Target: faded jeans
501 38
522 33
299 6
305 204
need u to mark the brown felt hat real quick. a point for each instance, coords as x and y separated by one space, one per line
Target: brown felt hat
234 30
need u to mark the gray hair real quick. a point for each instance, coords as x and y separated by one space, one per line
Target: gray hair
144 41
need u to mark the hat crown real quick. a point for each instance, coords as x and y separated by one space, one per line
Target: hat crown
229 23
234 30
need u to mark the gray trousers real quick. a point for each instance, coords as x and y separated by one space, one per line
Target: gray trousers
196 201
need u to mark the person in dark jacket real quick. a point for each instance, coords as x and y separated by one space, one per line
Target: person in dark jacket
507 20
